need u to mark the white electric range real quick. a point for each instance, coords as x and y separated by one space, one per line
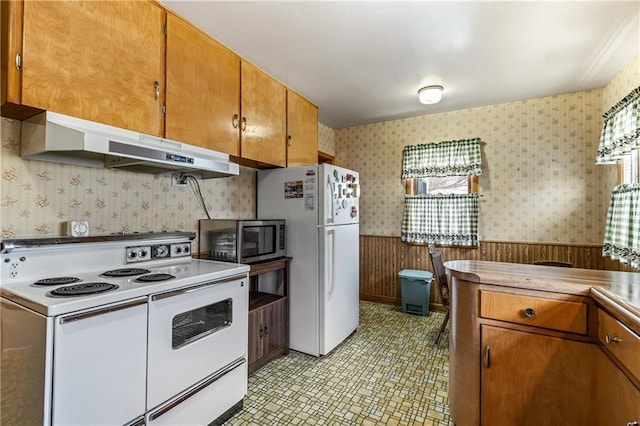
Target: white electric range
120 329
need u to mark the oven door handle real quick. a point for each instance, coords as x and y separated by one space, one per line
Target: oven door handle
196 288
102 311
217 376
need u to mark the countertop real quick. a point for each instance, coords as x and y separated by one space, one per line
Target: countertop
618 292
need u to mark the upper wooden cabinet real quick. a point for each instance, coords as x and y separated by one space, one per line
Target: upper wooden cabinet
264 117
97 60
203 89
109 62
302 131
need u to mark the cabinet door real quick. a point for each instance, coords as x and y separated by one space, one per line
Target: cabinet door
255 334
203 89
302 131
529 379
97 60
264 117
617 399
276 323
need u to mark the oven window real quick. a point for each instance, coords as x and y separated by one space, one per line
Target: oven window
194 325
258 240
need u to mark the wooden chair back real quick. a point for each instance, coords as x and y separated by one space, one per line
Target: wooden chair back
440 274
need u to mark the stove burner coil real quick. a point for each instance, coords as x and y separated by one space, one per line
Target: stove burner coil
57 281
125 272
82 289
154 277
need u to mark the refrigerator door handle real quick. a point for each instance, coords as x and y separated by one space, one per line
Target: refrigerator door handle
330 264
328 201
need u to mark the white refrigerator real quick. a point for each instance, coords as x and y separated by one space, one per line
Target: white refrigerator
321 206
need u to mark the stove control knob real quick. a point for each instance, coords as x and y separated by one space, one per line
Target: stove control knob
178 250
142 253
132 254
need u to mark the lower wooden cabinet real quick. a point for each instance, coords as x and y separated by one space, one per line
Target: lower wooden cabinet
532 357
268 315
531 379
618 400
267 328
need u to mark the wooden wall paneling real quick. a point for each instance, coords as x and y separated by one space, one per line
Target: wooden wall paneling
382 257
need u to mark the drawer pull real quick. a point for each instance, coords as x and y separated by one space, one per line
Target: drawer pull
529 313
612 339
487 357
633 424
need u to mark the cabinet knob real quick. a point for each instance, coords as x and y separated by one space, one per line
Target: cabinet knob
289 141
235 120
18 61
529 313
612 339
244 124
633 423
156 85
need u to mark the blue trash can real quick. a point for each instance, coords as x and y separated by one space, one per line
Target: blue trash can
415 291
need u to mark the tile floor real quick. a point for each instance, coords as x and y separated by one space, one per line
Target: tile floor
387 373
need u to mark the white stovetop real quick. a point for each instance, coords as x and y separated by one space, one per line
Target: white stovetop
22 267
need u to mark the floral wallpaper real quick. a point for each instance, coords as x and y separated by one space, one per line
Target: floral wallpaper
326 136
37 197
539 181
622 84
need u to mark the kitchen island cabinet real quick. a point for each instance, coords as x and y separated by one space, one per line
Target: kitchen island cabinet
100 61
529 346
268 315
531 379
618 400
203 86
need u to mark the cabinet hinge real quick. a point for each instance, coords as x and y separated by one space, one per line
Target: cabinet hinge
18 61
164 110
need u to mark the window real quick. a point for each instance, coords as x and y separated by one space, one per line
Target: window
441 185
628 168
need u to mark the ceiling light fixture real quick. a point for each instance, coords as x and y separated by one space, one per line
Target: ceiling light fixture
430 94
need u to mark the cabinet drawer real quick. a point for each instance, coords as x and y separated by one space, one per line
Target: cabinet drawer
547 313
623 343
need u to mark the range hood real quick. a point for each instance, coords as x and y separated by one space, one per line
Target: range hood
50 136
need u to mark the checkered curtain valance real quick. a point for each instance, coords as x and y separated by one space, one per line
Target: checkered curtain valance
450 219
622 227
621 130
448 158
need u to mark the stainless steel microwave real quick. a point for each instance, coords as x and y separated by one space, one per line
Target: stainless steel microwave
242 241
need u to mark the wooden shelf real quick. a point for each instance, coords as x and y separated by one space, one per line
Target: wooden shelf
258 299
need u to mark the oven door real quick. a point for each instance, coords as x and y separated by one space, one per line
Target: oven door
194 332
99 365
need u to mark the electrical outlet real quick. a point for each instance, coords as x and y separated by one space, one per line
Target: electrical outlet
178 180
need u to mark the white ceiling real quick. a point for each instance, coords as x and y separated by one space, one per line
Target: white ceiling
363 62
